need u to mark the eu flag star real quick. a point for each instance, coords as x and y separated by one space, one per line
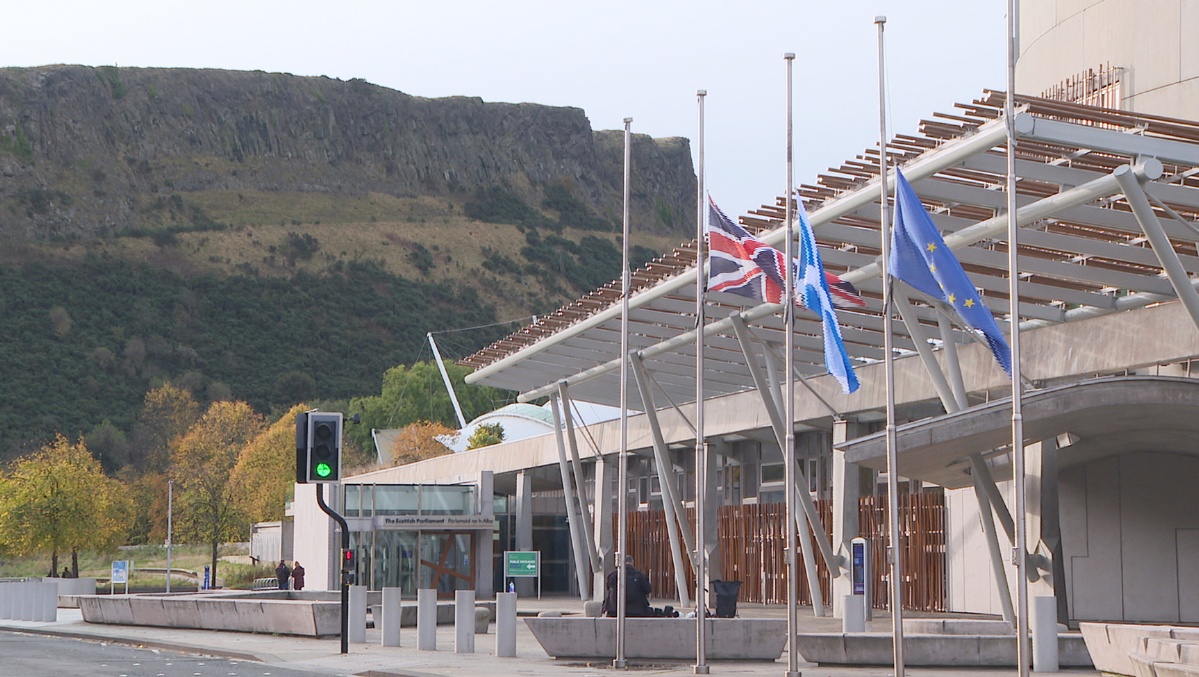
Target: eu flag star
969 303
931 246
952 298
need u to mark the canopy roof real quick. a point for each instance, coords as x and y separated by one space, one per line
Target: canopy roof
1081 250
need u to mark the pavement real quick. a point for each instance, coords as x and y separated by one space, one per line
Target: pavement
370 659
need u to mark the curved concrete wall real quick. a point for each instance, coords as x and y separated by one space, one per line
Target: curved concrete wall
1152 39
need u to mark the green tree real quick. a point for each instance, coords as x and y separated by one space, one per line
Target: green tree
59 499
417 393
265 475
485 435
201 464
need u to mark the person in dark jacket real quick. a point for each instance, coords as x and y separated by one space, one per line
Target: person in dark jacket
637 590
282 574
297 577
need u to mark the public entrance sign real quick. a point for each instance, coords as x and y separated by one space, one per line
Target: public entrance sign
523 564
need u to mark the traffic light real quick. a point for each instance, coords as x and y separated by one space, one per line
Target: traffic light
348 571
302 448
324 447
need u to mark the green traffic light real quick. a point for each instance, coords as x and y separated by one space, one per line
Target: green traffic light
323 470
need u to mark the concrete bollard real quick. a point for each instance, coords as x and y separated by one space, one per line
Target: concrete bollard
1044 634
25 599
482 620
426 619
357 629
391 611
505 624
853 614
5 601
47 601
464 621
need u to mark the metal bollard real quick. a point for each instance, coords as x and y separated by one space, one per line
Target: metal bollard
390 635
464 621
505 624
357 629
426 619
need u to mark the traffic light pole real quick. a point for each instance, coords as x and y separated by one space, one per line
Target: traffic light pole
345 578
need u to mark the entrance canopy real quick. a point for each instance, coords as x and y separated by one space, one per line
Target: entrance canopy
1090 419
1107 208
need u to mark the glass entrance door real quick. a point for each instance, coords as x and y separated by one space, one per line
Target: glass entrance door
446 562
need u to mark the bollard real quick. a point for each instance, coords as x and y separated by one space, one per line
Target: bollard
25 598
47 601
853 614
390 635
6 601
426 619
1044 634
505 624
464 621
357 629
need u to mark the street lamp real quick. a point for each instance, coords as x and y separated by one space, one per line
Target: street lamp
170 500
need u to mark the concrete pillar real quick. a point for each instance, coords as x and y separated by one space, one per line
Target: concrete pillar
390 635
1044 524
524 529
426 619
484 548
464 621
505 624
604 502
711 527
846 496
853 613
357 629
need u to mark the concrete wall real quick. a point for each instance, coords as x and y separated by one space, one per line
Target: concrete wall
1130 531
968 567
1151 39
317 544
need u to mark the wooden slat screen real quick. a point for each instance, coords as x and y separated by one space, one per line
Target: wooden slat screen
752 542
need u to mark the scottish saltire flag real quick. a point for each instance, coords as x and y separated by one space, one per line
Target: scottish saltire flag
741 264
920 257
813 282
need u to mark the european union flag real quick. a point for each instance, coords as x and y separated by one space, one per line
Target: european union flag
920 257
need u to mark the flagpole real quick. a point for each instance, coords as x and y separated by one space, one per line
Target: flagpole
701 455
622 474
894 547
1018 469
789 395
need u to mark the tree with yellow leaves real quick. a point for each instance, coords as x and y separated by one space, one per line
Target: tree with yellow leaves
202 462
264 476
418 441
59 499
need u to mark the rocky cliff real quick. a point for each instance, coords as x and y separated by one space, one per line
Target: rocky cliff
90 151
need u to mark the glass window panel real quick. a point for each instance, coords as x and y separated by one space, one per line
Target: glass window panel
450 500
354 494
396 500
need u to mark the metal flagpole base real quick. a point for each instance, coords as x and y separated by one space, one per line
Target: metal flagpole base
795 673
700 670
620 665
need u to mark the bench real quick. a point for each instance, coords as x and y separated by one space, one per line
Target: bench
744 639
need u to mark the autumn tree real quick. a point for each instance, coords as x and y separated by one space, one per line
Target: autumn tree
485 435
58 499
419 441
167 413
265 474
202 462
417 393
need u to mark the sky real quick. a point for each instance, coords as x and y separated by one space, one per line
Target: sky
643 59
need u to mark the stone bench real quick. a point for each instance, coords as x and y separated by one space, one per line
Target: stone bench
660 638
1113 645
312 618
933 649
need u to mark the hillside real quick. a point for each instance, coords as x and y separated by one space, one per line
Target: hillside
245 232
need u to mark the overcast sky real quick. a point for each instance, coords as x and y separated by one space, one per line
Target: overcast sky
642 59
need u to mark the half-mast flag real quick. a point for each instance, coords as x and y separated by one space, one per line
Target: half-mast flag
920 257
739 263
815 286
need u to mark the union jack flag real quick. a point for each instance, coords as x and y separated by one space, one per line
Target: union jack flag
741 264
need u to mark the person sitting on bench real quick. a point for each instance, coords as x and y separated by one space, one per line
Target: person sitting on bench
637 589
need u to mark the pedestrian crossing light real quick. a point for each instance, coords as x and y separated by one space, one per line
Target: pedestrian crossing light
324 446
